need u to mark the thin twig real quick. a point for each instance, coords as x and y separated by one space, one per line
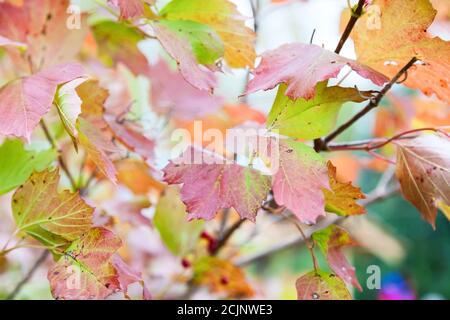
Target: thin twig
29 275
227 235
323 224
374 102
356 14
61 161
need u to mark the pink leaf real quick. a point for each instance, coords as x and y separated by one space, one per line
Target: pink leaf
129 9
301 67
85 270
211 183
126 276
180 50
188 103
25 101
299 180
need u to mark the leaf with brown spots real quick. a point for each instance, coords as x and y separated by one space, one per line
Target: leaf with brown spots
423 169
319 285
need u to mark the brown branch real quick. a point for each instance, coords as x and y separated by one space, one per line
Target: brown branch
226 236
374 102
29 275
356 14
319 144
61 161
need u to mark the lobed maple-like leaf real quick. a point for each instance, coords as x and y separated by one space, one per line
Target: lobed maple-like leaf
388 40
225 19
310 119
85 270
424 174
341 198
17 163
331 241
44 213
23 102
210 184
301 67
299 180
180 49
180 236
319 285
188 104
46 28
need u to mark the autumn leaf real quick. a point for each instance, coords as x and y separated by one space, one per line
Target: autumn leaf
205 43
314 118
17 163
23 102
386 42
85 270
188 104
180 236
301 67
68 104
424 174
135 175
45 214
211 184
341 198
221 276
299 180
118 43
94 132
319 285
180 50
127 276
331 242
42 26
223 17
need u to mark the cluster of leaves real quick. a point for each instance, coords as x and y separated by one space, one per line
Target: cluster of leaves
201 36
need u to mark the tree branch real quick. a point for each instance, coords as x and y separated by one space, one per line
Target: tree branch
29 275
356 14
374 102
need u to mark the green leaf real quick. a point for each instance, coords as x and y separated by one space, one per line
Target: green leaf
17 164
118 43
310 119
178 234
206 44
40 211
225 19
320 285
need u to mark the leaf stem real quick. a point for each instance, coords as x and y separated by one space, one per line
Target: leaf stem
226 236
29 275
